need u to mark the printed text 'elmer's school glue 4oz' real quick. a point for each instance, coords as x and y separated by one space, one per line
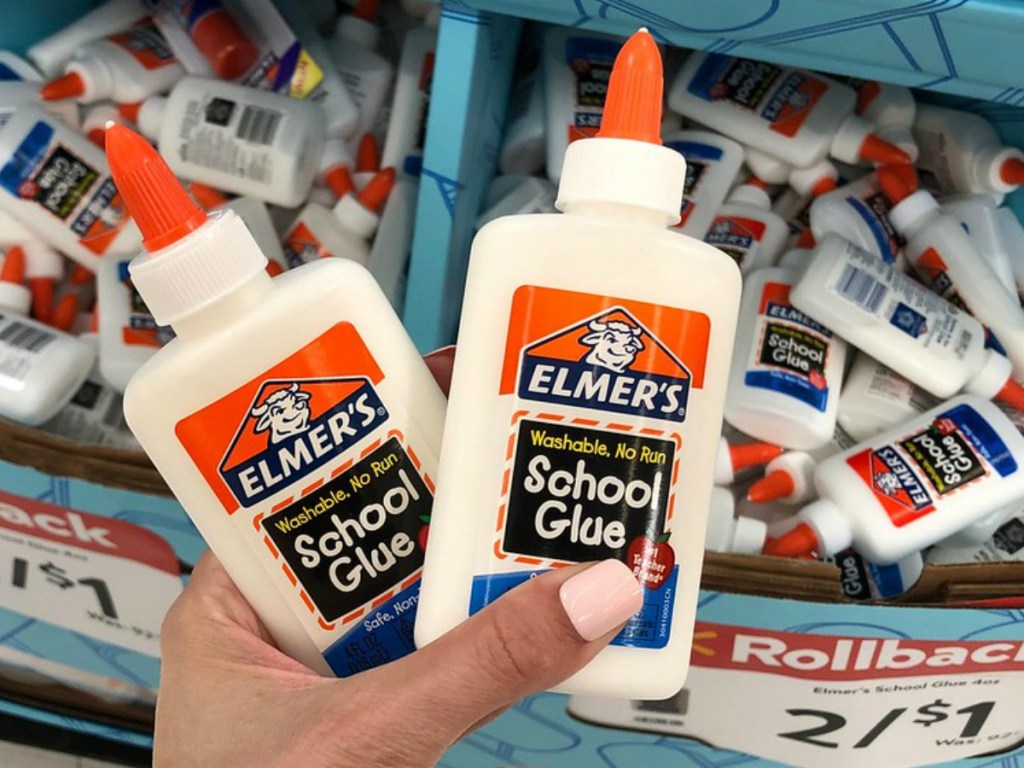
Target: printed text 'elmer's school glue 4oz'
586 401
912 486
293 419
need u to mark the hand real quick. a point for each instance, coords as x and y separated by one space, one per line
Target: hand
229 698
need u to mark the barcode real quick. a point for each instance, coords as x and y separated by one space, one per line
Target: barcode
676 705
26 337
861 288
258 125
114 416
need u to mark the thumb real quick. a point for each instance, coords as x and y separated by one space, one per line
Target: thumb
531 639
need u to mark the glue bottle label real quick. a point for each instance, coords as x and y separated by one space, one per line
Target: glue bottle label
910 476
146 45
781 96
736 236
301 246
791 352
590 64
700 159
598 388
322 478
140 329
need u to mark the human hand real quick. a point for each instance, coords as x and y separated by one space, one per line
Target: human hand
229 697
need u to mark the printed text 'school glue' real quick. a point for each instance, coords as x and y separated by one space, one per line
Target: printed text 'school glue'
293 419
586 402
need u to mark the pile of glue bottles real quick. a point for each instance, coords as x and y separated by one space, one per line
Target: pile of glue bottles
882 277
316 149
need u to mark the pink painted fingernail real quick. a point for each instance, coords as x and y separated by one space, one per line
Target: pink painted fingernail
601 598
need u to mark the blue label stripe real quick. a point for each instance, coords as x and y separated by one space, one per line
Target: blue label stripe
26 157
877 230
789 384
709 73
985 440
7 74
695 150
384 635
887 579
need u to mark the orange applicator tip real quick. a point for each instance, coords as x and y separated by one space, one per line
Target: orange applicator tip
752 454
797 542
65 313
1012 171
161 207
774 485
80 275
896 183
64 87
339 181
43 289
130 111
366 9
632 107
823 186
1012 394
94 319
375 193
273 268
97 136
223 43
806 239
368 154
753 181
878 150
13 269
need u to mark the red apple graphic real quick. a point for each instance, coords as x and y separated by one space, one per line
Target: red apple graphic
817 380
424 533
652 559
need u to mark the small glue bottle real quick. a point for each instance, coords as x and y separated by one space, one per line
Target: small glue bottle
908 488
746 229
731 459
572 365
367 75
728 533
712 164
42 367
280 413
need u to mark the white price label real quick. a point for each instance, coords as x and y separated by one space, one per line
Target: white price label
105 578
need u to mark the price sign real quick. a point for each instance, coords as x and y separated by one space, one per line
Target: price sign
105 578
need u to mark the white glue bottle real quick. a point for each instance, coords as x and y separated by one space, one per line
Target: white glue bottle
912 486
389 254
52 52
42 367
746 229
367 75
875 398
961 152
407 123
767 168
712 164
979 216
1005 545
97 119
796 116
56 182
532 195
981 530
858 212
728 533
560 321
276 399
902 324
945 258
238 139
576 65
789 478
787 369
1013 235
128 334
125 67
731 459
256 217
862 580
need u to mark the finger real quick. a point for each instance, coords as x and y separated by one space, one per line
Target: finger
440 363
530 640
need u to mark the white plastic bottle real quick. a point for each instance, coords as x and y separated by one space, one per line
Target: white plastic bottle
1005 545
524 146
746 229
576 65
961 152
407 124
310 410
256 217
767 168
125 67
790 114
44 268
979 216
127 333
560 321
876 398
788 479
389 255
42 367
912 486
981 530
945 258
728 533
315 234
367 75
862 580
731 459
858 212
532 195
238 139
891 108
787 369
56 182
901 324
712 164
112 16
13 68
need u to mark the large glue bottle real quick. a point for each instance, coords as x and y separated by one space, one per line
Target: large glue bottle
586 403
299 432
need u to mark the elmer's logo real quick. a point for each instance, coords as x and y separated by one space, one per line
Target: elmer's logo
608 361
293 428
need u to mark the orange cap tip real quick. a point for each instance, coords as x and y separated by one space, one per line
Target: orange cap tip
806 239
155 198
368 154
1012 394
224 44
65 313
1012 171
366 10
754 181
97 136
273 268
375 193
13 269
877 150
80 275
746 455
339 181
796 542
775 485
823 186
130 111
43 290
632 107
896 183
64 87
